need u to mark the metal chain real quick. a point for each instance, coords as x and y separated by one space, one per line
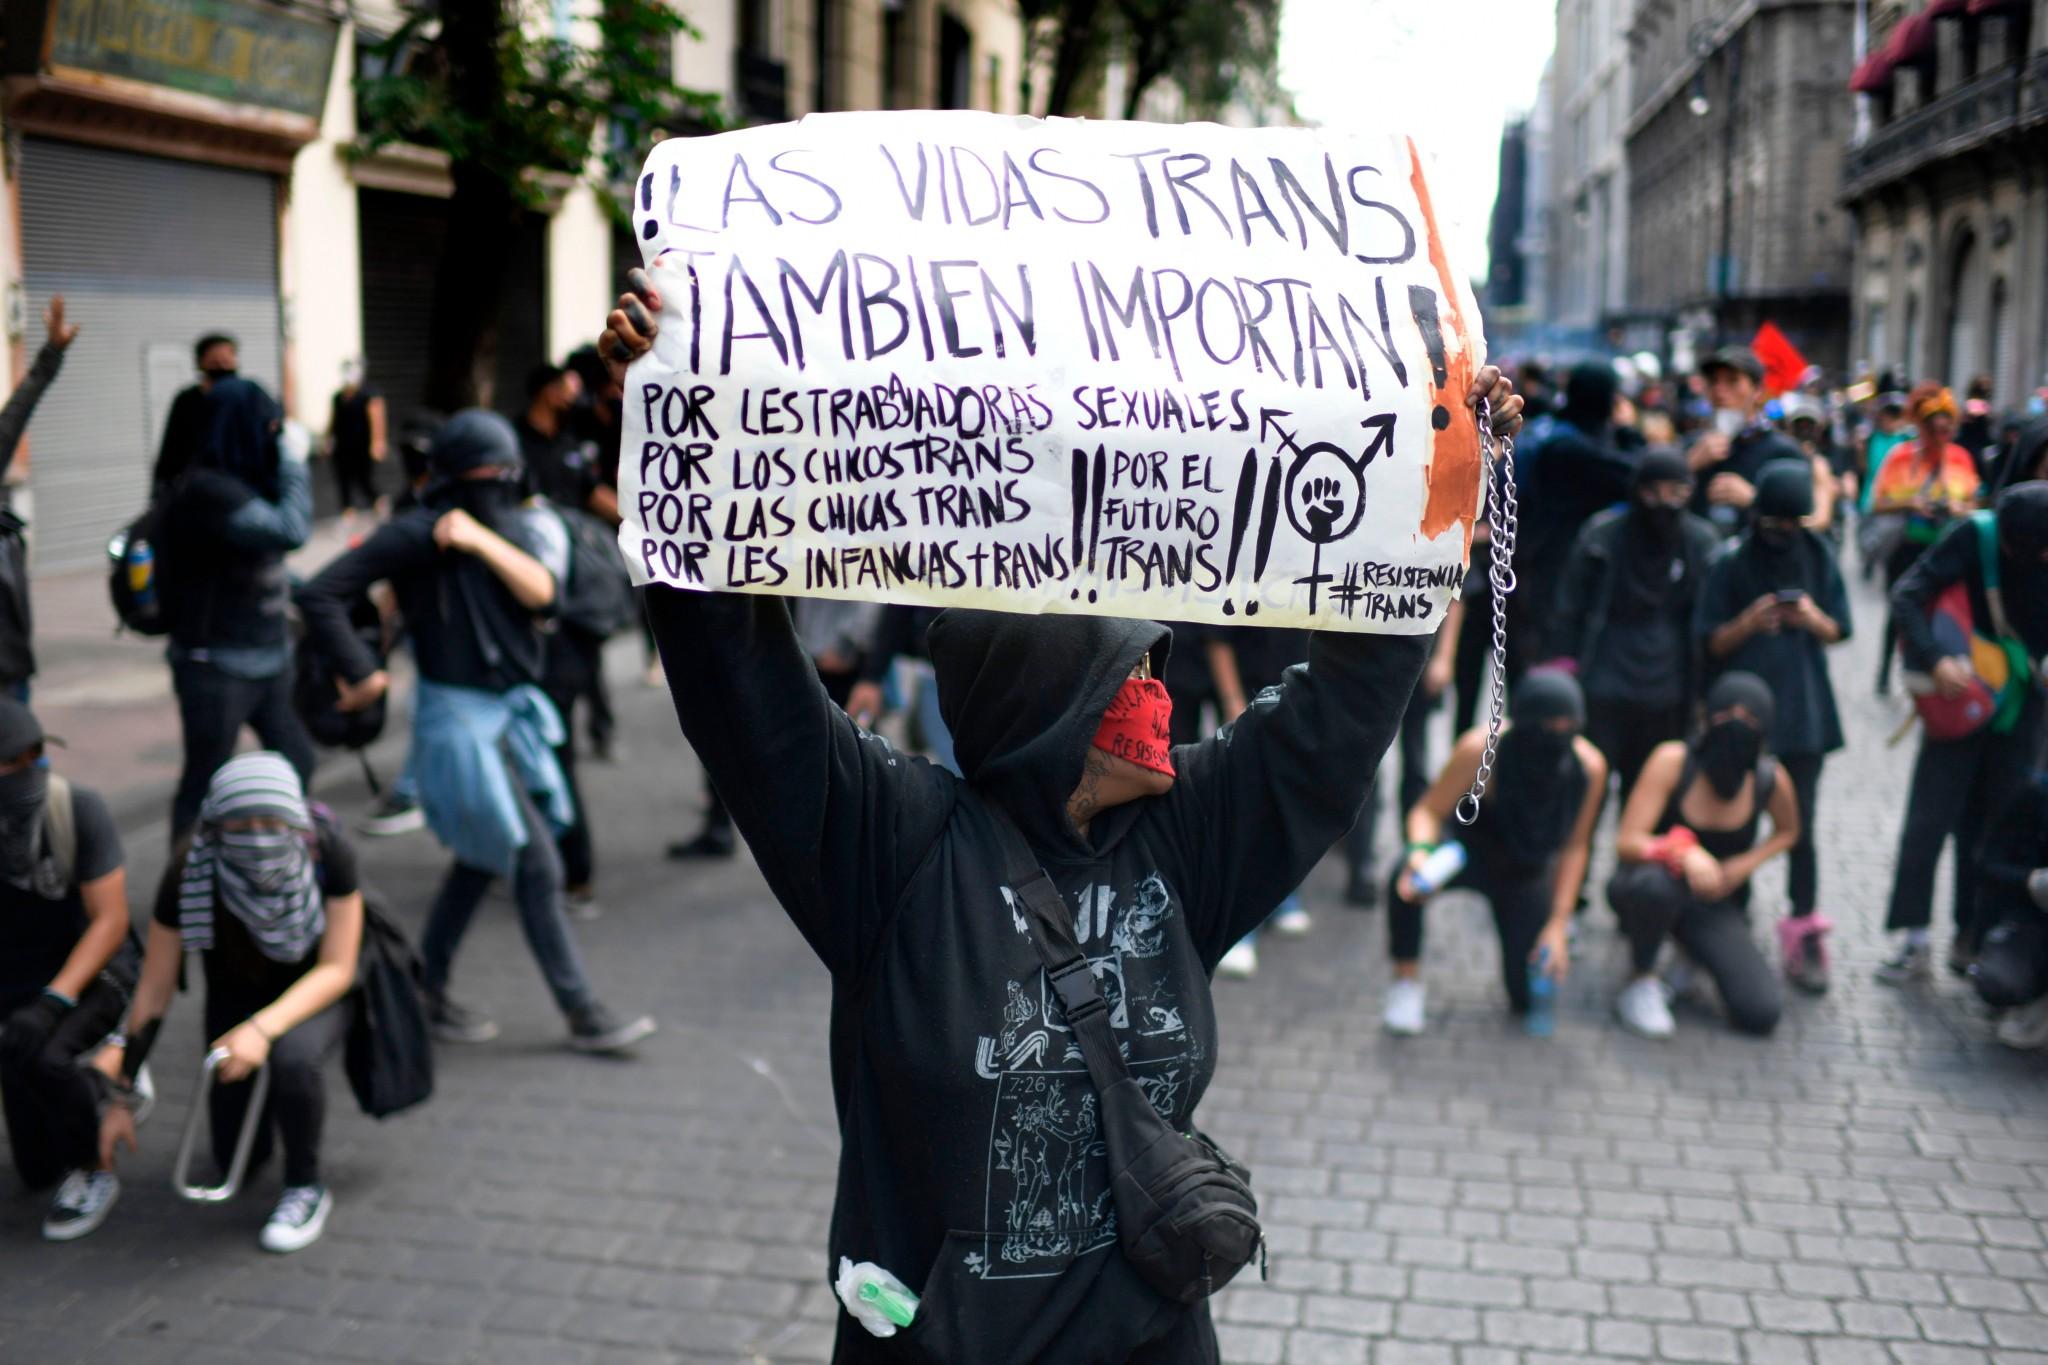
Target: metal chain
1502 523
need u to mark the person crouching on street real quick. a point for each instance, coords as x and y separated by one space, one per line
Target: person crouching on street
971 1164
1526 854
266 893
67 967
475 572
1688 846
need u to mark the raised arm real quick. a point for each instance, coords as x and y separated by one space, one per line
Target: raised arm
837 819
21 404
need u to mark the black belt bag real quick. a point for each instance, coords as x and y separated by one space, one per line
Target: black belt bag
1185 1212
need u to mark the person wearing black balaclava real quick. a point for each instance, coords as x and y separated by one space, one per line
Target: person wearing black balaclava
475 573
1526 854
948 1048
1688 845
66 969
1578 472
1772 607
1624 615
216 357
228 522
1959 785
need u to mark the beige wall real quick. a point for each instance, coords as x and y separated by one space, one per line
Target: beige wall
320 255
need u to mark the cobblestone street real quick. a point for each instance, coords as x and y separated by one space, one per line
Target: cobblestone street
1869 1185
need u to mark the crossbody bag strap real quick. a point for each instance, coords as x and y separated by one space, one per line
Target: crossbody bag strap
1066 966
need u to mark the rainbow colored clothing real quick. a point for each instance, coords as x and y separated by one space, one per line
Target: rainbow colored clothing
1906 481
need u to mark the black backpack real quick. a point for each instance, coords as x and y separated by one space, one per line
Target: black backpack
132 579
598 598
313 693
390 1054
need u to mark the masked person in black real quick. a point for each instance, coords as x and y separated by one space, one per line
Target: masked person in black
1772 607
266 893
1688 844
1578 473
475 571
229 521
1960 785
216 357
971 1162
17 621
67 966
1526 854
1624 615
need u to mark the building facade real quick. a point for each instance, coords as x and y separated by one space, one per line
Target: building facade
1949 189
1734 146
174 167
1586 279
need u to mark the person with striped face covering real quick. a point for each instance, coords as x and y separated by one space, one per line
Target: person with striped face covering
266 893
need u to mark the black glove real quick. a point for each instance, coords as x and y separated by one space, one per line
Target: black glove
29 1027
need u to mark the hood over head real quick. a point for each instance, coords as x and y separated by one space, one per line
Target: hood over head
242 423
1024 696
1589 395
1659 466
2023 521
1749 692
1785 489
472 439
1547 694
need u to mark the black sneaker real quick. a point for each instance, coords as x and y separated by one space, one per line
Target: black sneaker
395 814
300 1218
596 1029
82 1204
1362 890
452 1022
714 842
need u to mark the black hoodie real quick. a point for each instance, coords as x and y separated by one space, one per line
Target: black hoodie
969 1163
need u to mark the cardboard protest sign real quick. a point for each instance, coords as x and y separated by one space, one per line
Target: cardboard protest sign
1184 372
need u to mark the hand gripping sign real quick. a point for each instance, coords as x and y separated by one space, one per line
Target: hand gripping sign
1185 372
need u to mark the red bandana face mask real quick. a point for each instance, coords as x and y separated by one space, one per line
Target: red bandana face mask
1138 725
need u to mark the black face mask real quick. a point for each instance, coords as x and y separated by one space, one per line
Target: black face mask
1776 537
1728 754
485 499
22 795
1659 521
219 372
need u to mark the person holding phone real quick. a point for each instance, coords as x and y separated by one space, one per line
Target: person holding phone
1771 607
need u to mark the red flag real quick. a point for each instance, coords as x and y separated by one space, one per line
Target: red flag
1784 367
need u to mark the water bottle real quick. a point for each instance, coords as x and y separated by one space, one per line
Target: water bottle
1444 862
1541 1020
142 574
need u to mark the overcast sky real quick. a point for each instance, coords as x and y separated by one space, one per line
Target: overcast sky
1381 63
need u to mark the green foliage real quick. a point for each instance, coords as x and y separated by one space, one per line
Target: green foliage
489 83
1215 50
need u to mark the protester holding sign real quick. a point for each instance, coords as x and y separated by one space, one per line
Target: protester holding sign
943 1030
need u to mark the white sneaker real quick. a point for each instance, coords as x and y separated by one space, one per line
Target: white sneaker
1403 1014
1241 961
1643 1010
2025 1027
1293 921
300 1218
82 1204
